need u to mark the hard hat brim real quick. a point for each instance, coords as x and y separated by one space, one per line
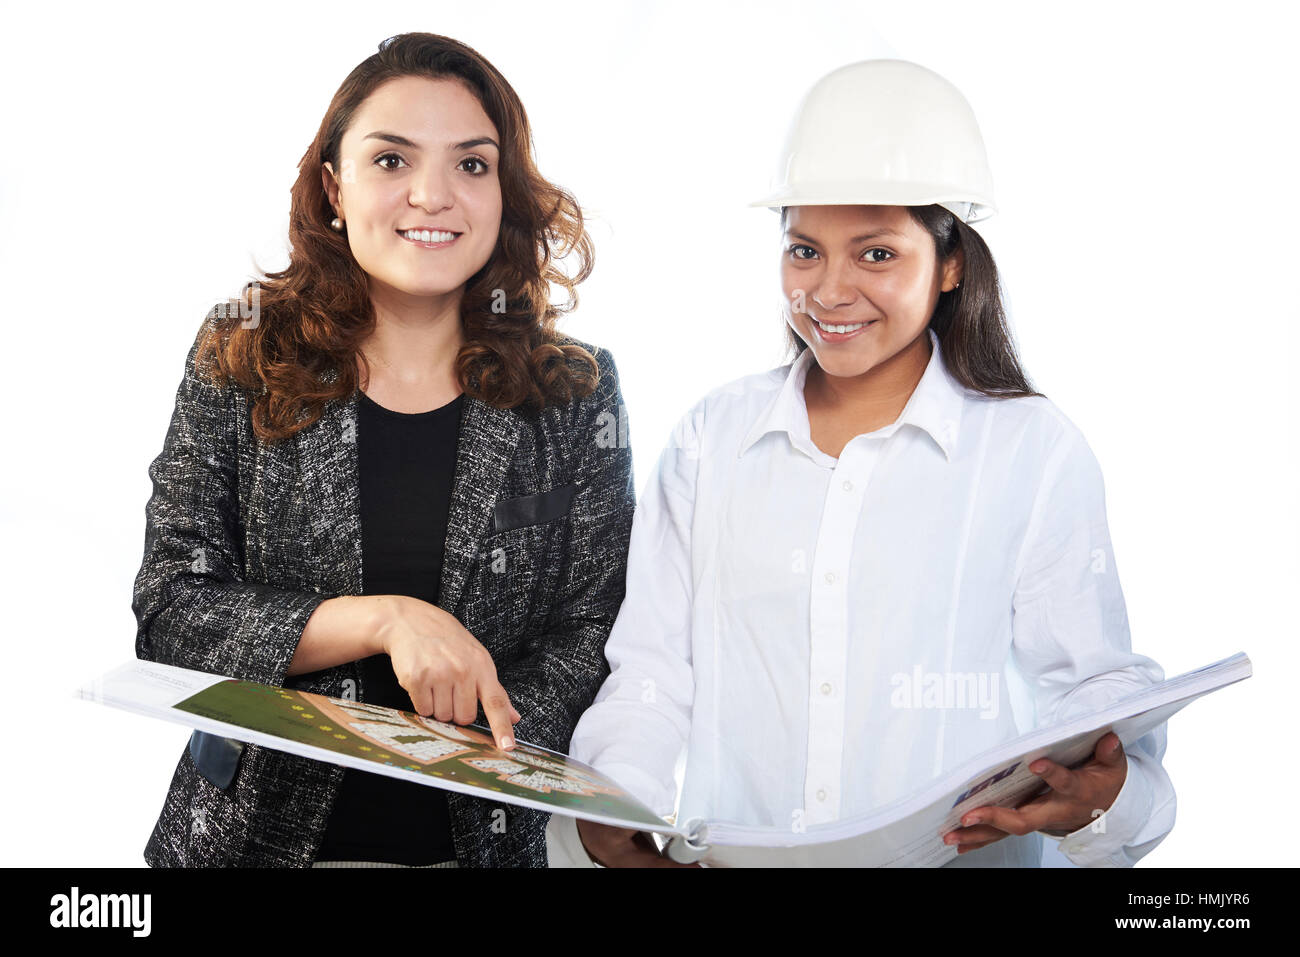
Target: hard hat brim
961 203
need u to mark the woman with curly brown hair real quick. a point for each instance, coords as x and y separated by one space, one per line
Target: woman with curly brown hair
389 478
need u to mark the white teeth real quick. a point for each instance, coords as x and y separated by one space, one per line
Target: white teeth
839 328
428 236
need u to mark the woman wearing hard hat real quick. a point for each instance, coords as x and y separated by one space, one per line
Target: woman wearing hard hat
846 572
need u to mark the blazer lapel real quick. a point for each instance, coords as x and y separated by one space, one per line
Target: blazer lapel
331 489
329 479
483 453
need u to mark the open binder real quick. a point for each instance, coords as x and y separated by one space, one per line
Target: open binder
907 832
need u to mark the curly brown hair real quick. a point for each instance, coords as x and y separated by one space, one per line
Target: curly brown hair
312 316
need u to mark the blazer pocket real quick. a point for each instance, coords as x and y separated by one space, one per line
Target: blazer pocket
532 509
216 758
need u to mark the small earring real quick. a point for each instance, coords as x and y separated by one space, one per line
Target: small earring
337 224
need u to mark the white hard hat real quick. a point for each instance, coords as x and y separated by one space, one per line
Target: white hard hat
884 133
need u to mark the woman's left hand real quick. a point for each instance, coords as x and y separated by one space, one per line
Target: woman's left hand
1074 798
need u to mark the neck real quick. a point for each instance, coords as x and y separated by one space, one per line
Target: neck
415 341
876 397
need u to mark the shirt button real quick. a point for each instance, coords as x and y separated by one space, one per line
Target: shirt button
821 795
826 687
848 486
830 578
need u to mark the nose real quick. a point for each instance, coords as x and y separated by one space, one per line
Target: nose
432 190
835 286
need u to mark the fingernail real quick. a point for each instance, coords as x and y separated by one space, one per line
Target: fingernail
506 742
971 819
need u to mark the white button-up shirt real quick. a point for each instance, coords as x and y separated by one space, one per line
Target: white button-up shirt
827 635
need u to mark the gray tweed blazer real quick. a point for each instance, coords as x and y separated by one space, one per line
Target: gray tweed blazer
244 539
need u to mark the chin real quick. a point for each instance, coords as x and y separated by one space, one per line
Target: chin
845 367
427 289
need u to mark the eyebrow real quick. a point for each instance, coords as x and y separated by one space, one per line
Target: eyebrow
855 239
403 141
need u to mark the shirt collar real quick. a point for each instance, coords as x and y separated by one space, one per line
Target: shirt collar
935 406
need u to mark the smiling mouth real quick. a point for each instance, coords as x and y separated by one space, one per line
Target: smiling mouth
848 327
429 238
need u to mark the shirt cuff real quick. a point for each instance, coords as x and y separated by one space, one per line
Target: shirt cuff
1101 842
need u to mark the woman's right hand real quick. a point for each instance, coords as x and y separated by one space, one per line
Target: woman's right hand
442 666
621 847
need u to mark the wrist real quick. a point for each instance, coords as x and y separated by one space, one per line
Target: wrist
578 824
380 613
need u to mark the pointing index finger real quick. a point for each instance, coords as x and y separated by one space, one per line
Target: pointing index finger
498 709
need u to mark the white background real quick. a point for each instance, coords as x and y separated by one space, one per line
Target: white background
1144 160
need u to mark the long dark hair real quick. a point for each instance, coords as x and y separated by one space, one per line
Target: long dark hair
970 321
314 314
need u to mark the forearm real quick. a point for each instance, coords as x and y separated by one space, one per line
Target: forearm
340 630
635 731
242 630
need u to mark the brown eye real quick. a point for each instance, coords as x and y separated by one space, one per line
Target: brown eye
797 246
379 160
475 159
877 249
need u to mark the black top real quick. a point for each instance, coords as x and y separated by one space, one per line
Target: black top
405 464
